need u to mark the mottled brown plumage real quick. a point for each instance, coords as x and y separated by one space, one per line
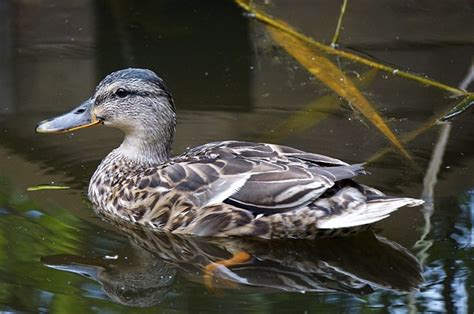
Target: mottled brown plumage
229 188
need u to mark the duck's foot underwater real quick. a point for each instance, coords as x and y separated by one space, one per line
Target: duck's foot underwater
221 269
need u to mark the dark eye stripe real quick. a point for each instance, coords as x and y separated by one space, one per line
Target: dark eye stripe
101 98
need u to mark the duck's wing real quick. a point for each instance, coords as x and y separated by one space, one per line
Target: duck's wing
262 178
264 150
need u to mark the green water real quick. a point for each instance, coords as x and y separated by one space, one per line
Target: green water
230 81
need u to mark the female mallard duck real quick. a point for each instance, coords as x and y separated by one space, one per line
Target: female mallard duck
219 189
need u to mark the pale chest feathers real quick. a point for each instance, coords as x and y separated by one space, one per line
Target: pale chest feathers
127 190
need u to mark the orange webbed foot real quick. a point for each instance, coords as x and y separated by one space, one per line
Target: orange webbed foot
221 267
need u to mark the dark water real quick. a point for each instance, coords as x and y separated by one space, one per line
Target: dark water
230 81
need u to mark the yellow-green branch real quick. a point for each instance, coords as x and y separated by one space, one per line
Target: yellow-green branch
265 18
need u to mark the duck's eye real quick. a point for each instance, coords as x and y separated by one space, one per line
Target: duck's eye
121 92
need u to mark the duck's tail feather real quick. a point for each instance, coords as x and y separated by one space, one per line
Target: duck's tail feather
366 213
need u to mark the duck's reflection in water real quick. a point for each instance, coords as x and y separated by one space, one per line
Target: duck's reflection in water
144 273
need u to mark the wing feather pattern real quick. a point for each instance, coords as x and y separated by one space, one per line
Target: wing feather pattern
262 178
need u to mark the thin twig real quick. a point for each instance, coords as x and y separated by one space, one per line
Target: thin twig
467 102
263 17
469 77
431 176
339 24
461 107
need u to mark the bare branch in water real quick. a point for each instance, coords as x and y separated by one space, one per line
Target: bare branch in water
339 24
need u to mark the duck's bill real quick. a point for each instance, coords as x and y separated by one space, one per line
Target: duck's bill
79 118
74 264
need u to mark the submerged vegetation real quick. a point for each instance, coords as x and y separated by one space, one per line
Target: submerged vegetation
43 187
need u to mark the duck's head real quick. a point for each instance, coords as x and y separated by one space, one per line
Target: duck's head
134 100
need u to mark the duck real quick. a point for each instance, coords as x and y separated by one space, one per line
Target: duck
220 189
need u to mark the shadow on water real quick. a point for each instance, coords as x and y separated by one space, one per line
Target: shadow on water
230 80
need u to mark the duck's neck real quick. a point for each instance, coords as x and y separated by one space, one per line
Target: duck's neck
147 147
135 149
